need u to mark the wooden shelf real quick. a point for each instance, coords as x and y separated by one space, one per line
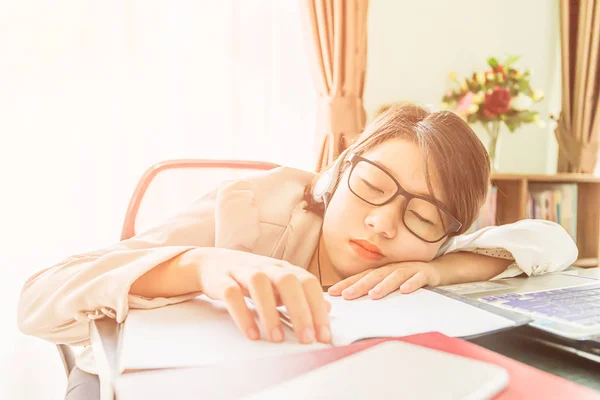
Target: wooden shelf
558 178
586 262
512 207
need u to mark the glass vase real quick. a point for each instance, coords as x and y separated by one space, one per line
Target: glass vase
493 130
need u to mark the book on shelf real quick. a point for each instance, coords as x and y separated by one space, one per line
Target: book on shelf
554 202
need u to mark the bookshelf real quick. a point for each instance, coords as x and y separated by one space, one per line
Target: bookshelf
512 205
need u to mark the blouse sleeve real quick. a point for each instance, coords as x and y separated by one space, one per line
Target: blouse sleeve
536 246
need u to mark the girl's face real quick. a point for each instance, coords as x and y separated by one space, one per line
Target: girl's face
357 235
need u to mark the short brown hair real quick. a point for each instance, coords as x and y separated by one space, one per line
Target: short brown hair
459 155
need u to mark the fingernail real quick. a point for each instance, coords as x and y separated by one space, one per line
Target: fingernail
253 333
324 334
308 335
376 290
349 291
277 334
406 286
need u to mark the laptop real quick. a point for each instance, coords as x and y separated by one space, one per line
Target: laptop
394 370
565 306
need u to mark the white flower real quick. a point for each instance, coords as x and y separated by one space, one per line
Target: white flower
473 108
539 122
479 97
521 102
538 95
480 78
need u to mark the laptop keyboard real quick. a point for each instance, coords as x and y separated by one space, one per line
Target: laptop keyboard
577 305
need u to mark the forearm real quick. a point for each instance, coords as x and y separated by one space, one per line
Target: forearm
175 277
462 266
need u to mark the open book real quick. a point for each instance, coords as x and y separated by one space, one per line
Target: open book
200 332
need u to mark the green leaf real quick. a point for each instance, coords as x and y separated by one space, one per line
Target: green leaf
524 86
492 62
511 60
512 125
473 86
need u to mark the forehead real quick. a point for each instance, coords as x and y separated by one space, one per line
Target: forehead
405 161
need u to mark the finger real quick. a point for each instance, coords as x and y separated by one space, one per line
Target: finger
417 281
231 294
366 283
390 283
318 306
292 294
328 306
261 292
336 290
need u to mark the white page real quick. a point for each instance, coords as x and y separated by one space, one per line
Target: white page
201 332
406 314
194 333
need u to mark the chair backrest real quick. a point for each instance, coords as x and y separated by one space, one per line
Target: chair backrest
169 186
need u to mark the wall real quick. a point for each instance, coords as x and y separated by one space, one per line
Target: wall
92 93
414 44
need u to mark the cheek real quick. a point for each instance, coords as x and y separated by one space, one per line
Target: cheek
410 248
345 212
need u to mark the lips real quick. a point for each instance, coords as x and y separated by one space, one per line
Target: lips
366 250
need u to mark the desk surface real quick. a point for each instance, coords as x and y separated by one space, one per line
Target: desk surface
513 344
517 345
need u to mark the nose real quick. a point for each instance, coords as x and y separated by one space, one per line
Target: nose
386 220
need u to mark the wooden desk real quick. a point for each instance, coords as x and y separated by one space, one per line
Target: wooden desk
513 344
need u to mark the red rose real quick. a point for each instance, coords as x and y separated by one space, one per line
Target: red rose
497 102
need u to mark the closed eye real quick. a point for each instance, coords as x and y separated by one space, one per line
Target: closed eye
422 219
371 186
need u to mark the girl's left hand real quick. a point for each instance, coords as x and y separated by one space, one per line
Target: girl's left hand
379 282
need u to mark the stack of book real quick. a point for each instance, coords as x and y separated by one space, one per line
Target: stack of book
554 202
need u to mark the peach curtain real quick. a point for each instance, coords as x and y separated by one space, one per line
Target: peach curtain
578 129
336 32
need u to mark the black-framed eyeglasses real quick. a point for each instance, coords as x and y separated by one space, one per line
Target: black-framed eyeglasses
424 218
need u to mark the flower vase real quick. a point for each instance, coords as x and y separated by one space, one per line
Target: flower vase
493 131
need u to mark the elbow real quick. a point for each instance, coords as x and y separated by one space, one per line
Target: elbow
31 311
37 313
562 247
27 320
31 301
540 247
34 319
559 250
570 252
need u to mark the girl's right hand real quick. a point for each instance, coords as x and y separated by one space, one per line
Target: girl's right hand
232 275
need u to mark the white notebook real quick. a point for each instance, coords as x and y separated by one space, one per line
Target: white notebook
200 332
394 370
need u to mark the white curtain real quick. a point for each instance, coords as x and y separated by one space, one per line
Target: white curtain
94 92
